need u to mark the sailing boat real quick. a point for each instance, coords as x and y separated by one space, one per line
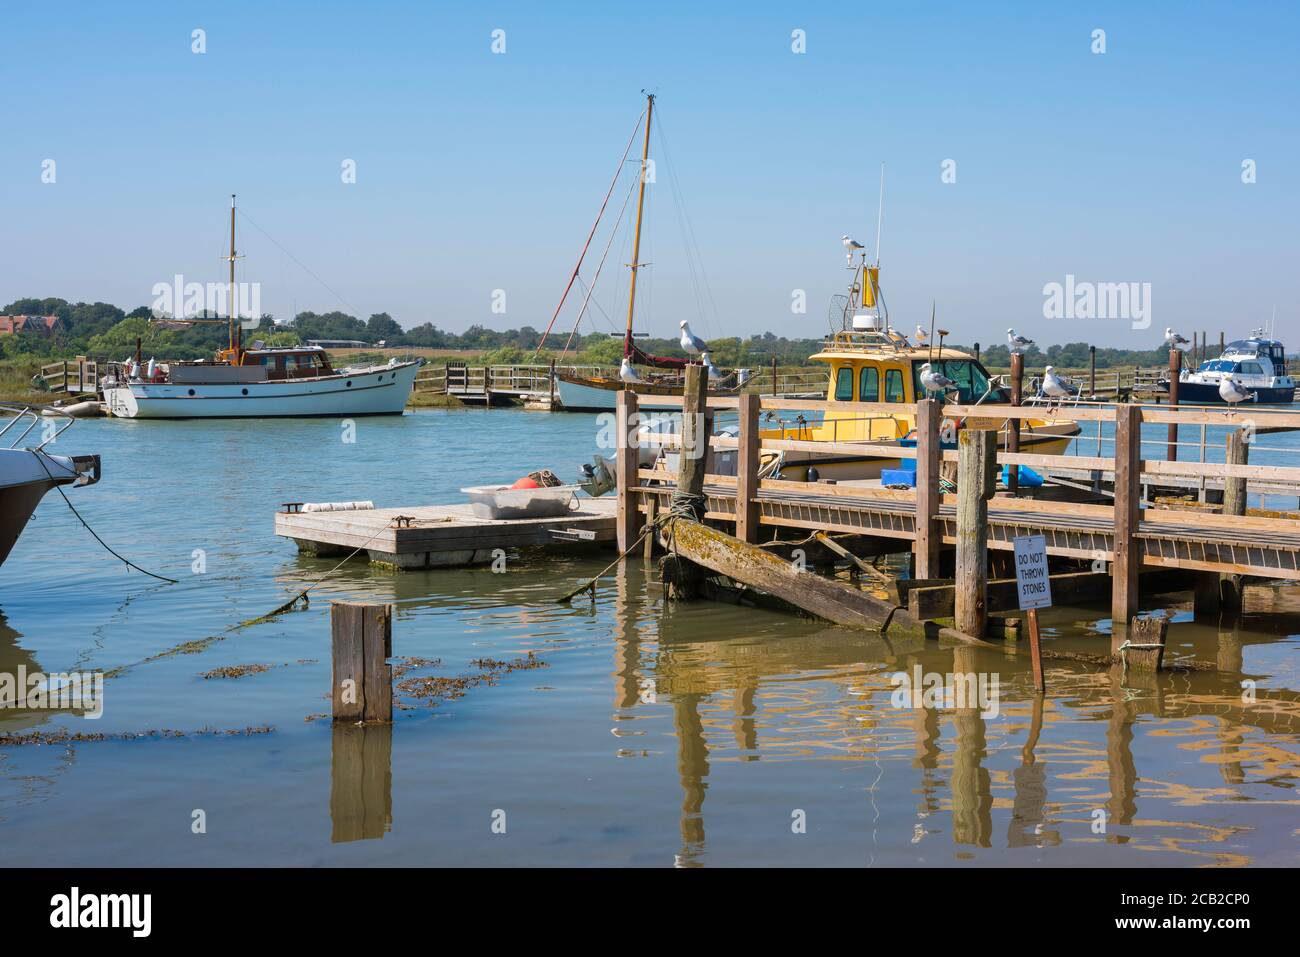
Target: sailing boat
257 382
579 393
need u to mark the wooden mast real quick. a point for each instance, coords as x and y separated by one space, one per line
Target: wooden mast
636 242
236 344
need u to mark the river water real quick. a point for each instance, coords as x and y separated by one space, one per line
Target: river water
640 733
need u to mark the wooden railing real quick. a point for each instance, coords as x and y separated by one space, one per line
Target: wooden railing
79 374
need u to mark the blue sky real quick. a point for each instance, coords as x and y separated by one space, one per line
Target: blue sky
478 172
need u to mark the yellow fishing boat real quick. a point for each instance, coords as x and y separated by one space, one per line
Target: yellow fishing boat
875 366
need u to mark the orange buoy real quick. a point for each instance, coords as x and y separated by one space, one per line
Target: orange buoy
525 482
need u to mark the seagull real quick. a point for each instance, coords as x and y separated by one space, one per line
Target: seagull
1018 342
1176 341
626 372
935 381
714 371
1054 385
852 245
692 343
920 336
1232 391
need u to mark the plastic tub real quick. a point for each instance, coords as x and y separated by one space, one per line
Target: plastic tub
502 501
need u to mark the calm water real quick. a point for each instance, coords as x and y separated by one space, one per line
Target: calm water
655 735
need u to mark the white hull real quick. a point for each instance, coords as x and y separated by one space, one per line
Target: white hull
379 390
25 477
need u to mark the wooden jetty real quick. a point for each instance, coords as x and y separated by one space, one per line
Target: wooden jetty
1119 533
433 536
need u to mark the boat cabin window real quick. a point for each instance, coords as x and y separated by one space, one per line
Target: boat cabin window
1220 365
844 384
972 382
869 384
1252 368
894 386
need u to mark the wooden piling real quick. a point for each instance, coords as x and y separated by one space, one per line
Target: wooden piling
1128 504
747 459
1147 644
695 434
976 474
1234 503
1175 369
928 457
1092 374
362 642
1013 425
626 462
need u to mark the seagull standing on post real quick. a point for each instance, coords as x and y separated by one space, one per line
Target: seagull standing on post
1232 391
851 246
1176 341
1018 342
693 344
626 372
920 335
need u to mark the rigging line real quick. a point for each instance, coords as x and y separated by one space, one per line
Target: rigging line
672 173
678 206
582 255
601 265
130 564
301 265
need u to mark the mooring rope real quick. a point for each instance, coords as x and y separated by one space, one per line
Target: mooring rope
39 454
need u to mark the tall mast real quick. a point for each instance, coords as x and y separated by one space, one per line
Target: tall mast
636 242
235 343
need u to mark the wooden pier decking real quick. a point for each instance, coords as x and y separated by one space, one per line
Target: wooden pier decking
1120 535
433 536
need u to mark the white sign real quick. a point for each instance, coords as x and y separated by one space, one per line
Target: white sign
1033 584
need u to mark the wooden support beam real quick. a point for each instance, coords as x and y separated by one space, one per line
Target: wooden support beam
628 522
928 536
361 643
1234 504
1013 426
747 471
695 433
976 475
1175 369
1128 506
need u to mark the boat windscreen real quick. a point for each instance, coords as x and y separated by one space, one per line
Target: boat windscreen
971 379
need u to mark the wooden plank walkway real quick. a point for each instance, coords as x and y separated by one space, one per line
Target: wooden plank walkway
433 536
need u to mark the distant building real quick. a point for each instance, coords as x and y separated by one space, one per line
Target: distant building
339 343
45 325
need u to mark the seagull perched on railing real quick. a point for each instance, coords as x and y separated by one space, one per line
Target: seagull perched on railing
1018 342
920 336
1056 386
693 344
1176 341
626 372
935 381
1232 391
714 371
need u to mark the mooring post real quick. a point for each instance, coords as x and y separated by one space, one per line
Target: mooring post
361 644
1013 425
928 450
1092 374
626 462
1234 503
1146 651
775 390
747 470
976 478
695 435
1175 369
551 382
1127 550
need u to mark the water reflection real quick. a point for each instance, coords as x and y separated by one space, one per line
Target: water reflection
361 781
